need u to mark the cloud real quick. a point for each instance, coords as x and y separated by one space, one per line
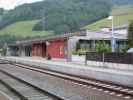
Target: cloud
7 4
10 4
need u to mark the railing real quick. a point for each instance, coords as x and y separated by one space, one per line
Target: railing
110 57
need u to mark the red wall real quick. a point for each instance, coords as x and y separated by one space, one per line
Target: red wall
57 48
39 49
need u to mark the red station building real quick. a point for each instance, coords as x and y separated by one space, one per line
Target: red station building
57 48
54 46
39 49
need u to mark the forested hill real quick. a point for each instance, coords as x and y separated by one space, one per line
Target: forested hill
122 2
58 15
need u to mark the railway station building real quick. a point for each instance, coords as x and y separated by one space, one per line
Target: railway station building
61 46
55 46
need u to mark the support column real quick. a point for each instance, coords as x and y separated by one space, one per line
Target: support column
94 45
21 51
71 46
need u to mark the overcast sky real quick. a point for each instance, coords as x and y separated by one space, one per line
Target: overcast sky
10 4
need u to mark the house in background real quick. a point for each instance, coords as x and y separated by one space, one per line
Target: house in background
61 46
91 38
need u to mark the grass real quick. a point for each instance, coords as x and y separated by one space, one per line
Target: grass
125 16
23 29
125 9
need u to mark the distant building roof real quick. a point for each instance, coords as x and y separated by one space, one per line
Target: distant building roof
99 35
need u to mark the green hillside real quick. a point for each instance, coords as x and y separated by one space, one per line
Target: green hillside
123 15
23 29
120 10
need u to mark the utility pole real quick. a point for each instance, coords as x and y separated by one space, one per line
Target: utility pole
113 42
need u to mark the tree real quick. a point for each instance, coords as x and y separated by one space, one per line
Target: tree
7 39
1 11
102 47
78 47
58 16
73 14
21 13
130 34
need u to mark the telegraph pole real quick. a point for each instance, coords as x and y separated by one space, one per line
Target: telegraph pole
113 42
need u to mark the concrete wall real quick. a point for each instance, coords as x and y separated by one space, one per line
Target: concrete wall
79 59
71 46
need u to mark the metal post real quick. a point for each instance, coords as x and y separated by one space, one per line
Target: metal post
85 58
69 55
112 36
103 58
68 52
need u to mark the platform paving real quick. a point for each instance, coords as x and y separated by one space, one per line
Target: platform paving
101 73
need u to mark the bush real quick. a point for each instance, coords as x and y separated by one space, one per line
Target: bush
78 47
130 34
124 49
74 52
3 51
80 52
102 47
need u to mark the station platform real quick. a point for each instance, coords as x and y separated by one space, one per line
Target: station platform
111 75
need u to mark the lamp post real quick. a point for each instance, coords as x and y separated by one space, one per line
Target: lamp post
113 42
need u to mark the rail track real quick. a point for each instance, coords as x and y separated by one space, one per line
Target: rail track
124 92
18 89
7 92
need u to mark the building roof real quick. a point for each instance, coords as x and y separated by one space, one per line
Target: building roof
99 35
84 34
50 38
